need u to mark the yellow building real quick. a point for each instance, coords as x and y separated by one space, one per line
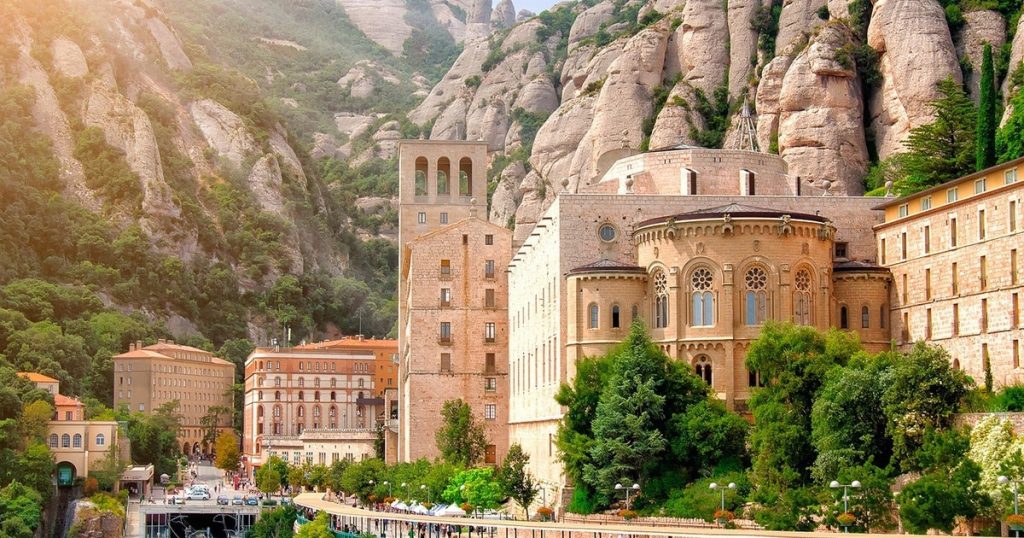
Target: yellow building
146 377
954 252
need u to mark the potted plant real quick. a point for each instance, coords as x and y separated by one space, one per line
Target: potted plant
467 508
545 513
627 514
724 516
428 505
846 519
1015 522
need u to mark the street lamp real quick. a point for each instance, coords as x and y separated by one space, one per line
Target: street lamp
634 487
388 484
405 488
1015 488
846 497
722 488
425 488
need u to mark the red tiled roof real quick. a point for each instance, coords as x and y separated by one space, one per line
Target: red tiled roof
63 401
36 377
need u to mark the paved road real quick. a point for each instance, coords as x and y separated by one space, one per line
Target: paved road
211 477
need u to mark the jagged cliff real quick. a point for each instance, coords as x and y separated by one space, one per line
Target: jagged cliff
835 86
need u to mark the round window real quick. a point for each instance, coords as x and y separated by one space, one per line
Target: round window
607 232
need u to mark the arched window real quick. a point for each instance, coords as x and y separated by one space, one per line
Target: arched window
301 412
65 441
316 395
53 440
865 317
956 364
316 381
803 300
444 172
259 412
332 412
100 439
277 395
76 441
756 296
302 382
660 300
703 368
277 411
277 381
421 176
594 313
333 396
302 396
261 365
615 317
466 177
844 318
701 282
316 412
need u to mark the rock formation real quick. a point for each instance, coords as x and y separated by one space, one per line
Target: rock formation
980 27
383 21
799 18
912 63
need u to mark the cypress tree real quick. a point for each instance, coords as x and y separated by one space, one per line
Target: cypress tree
985 146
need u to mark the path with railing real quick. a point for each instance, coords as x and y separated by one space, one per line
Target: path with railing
351 522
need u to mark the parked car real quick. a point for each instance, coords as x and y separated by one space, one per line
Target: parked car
237 500
197 495
252 500
222 500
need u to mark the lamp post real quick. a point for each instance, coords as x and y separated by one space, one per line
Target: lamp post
425 488
1015 488
388 484
405 488
634 487
722 488
846 496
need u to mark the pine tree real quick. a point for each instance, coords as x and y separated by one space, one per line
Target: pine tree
985 145
944 149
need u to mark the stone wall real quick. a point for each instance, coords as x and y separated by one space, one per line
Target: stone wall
972 419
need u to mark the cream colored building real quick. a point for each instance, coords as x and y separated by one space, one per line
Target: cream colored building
82 445
316 402
955 253
146 377
453 322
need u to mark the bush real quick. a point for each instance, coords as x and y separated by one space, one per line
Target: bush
1009 399
90 486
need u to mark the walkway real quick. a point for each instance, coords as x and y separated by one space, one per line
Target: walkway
133 523
368 519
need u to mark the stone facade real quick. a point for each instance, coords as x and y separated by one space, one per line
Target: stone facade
453 322
323 392
147 377
955 253
82 444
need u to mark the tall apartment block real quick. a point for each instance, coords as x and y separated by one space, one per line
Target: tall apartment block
453 296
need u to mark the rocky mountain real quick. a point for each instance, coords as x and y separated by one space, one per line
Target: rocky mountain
836 86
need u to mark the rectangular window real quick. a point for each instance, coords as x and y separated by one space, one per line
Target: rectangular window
904 210
1013 267
928 324
489 239
952 232
956 319
981 224
984 315
444 218
951 195
903 245
979 186
490 384
905 290
446 296
881 251
927 239
446 332
983 272
1013 215
1015 311
490 411
489 269
1016 354
954 279
489 366
1010 176
489 298
841 248
446 362
927 284
421 217
926 203
906 327
446 267
489 332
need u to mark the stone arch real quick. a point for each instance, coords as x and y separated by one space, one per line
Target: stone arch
702 366
444 176
184 447
465 177
804 286
420 176
66 473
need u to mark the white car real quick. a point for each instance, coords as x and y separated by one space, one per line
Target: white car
197 495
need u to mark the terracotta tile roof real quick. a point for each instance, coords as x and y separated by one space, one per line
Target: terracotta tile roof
153 352
602 266
351 342
36 377
63 401
733 210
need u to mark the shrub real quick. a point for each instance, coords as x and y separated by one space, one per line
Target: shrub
846 519
90 486
1010 399
627 514
545 513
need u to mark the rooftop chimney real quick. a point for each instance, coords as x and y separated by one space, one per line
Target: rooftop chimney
131 346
